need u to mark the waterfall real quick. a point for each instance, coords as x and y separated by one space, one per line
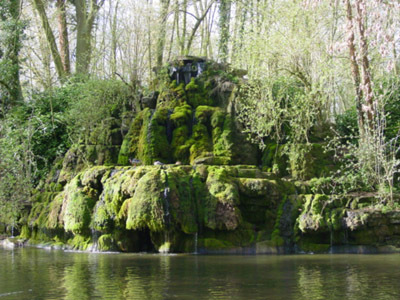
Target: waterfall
167 215
346 236
12 231
330 234
195 243
331 240
95 239
166 237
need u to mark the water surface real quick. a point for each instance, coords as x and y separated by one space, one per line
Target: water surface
39 274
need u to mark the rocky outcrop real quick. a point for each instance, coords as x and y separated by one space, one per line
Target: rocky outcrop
180 176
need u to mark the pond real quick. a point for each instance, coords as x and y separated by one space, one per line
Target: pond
29 273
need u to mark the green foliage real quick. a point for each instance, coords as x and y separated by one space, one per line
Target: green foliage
17 167
281 110
11 27
389 89
346 124
92 101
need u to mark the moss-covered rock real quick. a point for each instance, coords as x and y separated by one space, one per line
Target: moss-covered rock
78 202
220 207
148 208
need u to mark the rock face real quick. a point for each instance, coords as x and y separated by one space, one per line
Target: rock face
170 204
179 176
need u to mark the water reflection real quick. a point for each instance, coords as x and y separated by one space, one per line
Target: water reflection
37 274
310 282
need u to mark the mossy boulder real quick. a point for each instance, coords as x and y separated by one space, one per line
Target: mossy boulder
147 208
220 207
77 206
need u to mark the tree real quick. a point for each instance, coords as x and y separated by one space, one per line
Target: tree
60 67
11 27
199 19
85 13
224 20
63 36
162 31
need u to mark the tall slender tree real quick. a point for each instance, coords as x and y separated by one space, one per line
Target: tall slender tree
85 13
63 36
224 22
162 31
11 28
39 5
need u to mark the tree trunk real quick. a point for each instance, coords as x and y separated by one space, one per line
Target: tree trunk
83 38
50 38
162 32
149 3
14 48
114 41
63 37
224 22
183 37
366 75
85 12
354 67
196 26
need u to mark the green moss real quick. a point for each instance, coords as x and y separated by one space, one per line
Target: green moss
203 113
78 207
179 90
192 86
259 187
182 204
320 212
197 94
107 209
53 219
129 148
364 237
274 159
180 145
157 137
92 177
25 232
314 248
220 211
146 208
40 209
132 177
201 144
79 242
182 115
310 160
276 237
214 244
222 135
106 242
